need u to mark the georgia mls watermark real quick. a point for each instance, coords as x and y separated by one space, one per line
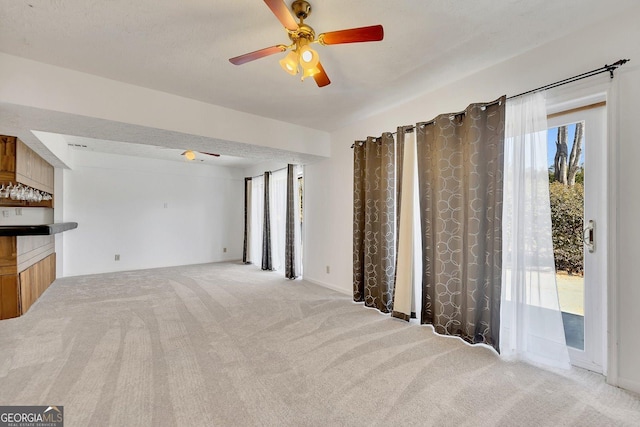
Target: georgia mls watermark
31 416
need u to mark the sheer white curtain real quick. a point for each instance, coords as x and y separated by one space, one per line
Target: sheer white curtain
403 298
247 221
531 321
278 210
257 218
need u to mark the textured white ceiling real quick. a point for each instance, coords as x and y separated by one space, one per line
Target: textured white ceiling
182 47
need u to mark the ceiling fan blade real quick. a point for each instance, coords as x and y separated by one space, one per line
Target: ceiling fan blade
321 78
209 154
373 33
281 10
252 56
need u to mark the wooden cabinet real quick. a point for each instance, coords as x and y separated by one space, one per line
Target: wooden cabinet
7 157
35 280
20 164
8 255
9 296
27 262
27 268
33 170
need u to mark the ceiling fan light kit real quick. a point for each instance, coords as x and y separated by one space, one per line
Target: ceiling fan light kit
301 36
191 155
308 57
290 63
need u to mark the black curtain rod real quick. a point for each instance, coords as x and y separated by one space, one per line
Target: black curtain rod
607 68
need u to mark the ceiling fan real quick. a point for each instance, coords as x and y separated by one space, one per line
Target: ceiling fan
191 154
301 36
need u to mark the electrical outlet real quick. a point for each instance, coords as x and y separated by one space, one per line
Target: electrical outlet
328 270
224 250
18 211
166 205
5 214
117 257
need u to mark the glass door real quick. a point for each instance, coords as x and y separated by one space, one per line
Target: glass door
578 191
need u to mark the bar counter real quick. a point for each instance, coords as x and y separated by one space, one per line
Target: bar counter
36 230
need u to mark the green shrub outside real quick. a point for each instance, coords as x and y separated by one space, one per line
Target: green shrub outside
567 213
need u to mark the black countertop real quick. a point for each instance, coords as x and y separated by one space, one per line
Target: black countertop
36 230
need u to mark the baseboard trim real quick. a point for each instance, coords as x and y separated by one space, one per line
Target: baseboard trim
633 386
327 285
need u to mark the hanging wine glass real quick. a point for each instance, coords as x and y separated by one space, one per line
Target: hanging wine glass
22 192
14 192
7 191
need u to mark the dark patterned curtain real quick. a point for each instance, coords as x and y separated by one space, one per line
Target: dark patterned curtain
290 242
266 227
359 201
246 258
460 165
374 222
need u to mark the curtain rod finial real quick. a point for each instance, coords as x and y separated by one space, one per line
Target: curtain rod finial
611 68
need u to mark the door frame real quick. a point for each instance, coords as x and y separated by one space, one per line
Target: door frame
591 91
593 355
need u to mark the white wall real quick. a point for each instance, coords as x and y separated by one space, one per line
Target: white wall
119 205
328 195
32 84
58 216
628 228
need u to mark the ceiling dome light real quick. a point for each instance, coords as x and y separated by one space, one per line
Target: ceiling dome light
190 155
290 63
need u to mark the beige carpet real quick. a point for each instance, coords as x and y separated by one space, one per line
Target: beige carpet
230 345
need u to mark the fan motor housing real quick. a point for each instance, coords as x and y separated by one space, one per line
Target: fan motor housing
301 9
303 32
